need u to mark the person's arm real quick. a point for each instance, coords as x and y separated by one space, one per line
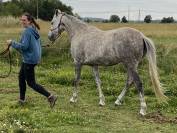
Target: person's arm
24 44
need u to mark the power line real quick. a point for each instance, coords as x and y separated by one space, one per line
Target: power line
132 13
128 13
125 11
139 15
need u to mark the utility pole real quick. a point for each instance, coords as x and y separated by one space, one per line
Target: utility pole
0 5
37 10
128 13
139 15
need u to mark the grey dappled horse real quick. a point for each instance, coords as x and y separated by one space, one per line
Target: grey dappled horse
94 47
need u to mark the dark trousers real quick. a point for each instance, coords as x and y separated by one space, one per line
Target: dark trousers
27 75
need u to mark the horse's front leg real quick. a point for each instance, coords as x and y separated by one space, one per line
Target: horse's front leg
78 67
98 83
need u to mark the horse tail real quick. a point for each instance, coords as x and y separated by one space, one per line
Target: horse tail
151 56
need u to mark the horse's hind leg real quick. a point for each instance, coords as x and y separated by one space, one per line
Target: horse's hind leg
139 86
98 83
76 82
127 85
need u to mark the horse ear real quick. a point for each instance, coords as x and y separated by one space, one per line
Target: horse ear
57 11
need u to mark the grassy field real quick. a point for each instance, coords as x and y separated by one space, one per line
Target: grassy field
56 73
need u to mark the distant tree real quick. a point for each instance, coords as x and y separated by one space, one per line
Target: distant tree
45 8
105 21
114 19
0 6
124 19
167 20
11 9
148 19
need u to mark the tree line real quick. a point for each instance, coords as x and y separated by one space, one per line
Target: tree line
117 19
147 19
42 9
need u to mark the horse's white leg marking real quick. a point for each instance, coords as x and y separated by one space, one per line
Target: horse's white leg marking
98 83
76 82
140 89
143 107
122 94
120 97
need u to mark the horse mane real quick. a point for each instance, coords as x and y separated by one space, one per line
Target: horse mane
75 19
80 22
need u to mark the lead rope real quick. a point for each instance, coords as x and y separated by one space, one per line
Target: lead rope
48 45
7 51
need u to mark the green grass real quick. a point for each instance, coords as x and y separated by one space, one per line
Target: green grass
56 73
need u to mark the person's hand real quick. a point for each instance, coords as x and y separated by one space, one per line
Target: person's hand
9 42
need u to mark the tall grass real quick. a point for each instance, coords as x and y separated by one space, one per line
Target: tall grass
8 21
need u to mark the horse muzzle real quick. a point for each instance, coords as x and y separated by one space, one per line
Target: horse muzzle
51 36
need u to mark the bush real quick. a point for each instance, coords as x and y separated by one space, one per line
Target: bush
148 19
114 18
124 19
167 20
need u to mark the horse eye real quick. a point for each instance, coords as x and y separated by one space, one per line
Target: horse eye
51 23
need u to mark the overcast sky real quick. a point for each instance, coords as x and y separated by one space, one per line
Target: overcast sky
132 9
136 8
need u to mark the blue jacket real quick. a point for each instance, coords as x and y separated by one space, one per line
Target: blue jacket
29 46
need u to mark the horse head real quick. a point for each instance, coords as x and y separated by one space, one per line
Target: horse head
57 26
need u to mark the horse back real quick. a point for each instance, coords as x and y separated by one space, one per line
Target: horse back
108 47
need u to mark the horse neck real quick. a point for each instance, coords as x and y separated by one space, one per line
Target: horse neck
73 26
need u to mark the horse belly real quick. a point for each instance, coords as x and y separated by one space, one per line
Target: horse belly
106 60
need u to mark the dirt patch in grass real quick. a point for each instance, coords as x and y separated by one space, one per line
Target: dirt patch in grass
8 90
158 117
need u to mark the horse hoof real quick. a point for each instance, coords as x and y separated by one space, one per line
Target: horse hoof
117 103
142 113
73 100
101 103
